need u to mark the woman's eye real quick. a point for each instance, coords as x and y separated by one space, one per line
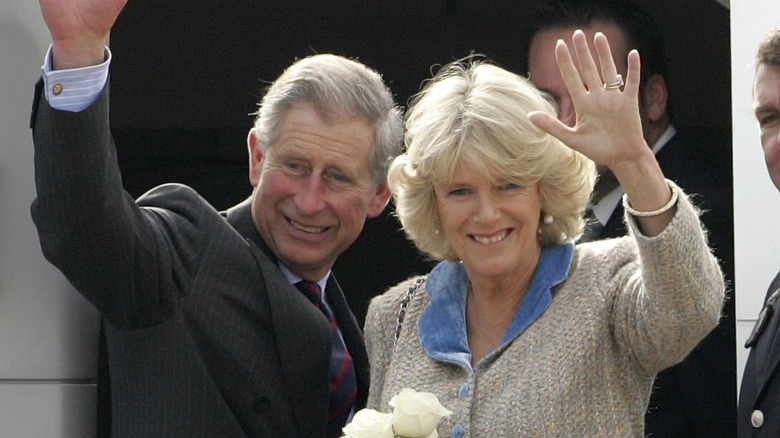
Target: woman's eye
510 186
459 192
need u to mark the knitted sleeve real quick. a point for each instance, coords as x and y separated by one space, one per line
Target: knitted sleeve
669 304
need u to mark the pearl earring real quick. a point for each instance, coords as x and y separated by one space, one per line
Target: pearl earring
548 219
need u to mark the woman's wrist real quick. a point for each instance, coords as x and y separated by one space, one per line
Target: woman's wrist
651 213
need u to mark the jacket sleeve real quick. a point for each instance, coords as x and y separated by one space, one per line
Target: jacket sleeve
669 299
117 254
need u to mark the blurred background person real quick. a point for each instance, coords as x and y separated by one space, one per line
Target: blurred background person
697 397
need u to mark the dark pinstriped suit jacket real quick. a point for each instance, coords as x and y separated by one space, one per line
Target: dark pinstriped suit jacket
206 338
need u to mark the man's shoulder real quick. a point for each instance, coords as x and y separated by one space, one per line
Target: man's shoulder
180 201
704 148
389 301
174 195
699 160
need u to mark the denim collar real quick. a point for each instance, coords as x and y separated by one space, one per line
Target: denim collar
442 325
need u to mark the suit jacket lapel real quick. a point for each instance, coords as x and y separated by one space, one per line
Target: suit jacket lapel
240 218
303 338
302 333
353 338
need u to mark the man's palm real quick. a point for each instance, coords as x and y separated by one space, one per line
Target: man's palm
80 21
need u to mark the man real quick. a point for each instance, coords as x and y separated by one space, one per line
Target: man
693 398
206 334
759 396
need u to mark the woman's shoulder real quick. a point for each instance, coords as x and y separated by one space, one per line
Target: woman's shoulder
395 295
387 312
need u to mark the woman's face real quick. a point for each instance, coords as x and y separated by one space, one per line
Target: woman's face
491 224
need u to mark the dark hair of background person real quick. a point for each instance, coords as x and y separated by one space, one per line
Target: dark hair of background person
642 30
769 50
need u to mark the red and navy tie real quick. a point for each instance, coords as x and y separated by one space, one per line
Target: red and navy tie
343 383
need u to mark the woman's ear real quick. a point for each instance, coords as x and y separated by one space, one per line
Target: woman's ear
255 157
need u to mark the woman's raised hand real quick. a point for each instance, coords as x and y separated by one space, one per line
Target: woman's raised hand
608 128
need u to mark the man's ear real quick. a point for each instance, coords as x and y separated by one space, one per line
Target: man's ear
379 201
656 95
255 157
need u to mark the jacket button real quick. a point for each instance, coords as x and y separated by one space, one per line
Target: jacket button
757 418
261 404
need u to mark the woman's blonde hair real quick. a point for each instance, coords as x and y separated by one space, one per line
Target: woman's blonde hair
475 113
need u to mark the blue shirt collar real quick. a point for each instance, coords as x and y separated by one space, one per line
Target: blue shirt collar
293 279
442 325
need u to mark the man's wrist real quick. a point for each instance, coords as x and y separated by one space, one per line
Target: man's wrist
69 56
74 89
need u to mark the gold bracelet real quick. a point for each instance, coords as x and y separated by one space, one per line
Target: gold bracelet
662 210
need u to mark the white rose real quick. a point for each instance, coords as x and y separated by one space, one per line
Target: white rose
417 414
368 423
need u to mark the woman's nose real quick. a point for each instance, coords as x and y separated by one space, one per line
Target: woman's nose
486 209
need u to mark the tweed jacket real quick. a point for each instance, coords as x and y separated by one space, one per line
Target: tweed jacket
623 310
206 337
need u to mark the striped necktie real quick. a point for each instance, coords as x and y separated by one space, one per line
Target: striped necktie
343 383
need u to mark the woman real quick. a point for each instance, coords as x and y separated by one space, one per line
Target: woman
518 331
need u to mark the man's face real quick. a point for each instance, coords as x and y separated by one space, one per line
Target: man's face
766 104
543 69
314 189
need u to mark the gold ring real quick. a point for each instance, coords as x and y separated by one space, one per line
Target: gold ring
616 84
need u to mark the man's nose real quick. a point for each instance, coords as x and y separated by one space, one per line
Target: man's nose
310 198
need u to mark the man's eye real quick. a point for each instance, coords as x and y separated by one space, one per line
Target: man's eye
294 166
768 119
338 179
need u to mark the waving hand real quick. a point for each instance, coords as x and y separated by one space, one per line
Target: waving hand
608 129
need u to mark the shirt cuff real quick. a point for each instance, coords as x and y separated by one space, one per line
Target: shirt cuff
74 89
